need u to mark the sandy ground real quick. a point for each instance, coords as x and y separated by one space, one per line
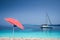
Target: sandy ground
29 38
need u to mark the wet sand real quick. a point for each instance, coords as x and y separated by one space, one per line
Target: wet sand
29 38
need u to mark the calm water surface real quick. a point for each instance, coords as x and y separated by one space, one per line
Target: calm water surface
30 32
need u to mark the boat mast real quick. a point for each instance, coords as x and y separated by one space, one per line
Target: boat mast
48 19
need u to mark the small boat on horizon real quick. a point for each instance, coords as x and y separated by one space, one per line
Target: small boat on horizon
46 26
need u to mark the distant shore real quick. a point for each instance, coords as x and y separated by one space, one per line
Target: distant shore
29 38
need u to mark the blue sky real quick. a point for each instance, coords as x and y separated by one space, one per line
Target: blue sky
30 11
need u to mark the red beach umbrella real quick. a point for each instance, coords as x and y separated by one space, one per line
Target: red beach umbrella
14 22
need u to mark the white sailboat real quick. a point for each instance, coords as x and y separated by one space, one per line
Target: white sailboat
46 26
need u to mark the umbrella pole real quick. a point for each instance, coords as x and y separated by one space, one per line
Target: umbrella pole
13 34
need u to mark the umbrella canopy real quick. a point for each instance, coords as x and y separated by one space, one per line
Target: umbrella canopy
14 22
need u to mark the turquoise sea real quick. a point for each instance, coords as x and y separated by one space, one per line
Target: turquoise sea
30 31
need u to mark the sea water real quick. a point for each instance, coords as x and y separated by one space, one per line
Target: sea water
30 32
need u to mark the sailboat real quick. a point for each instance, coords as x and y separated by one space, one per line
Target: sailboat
46 26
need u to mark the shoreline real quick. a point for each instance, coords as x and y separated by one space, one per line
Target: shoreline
29 38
